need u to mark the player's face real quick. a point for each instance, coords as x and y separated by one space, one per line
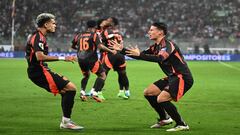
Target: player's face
154 33
51 25
105 23
110 21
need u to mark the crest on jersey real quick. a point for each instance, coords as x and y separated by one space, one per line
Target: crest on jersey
164 49
41 45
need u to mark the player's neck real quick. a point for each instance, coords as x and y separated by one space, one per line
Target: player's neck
158 40
43 31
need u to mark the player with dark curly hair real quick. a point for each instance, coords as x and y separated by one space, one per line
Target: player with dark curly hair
178 78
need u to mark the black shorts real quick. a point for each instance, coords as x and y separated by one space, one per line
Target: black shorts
117 61
50 81
177 86
93 66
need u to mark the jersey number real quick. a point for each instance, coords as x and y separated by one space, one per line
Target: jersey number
84 44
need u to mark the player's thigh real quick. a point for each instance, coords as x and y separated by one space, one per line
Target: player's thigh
108 61
84 66
119 63
96 67
178 86
41 81
62 82
164 96
101 73
152 90
52 82
156 88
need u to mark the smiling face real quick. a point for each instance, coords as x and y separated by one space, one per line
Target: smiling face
50 25
155 33
105 23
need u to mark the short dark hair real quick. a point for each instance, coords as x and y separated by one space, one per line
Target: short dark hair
115 21
161 26
99 21
43 18
91 24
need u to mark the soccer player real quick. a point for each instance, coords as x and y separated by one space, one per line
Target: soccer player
116 62
86 44
40 74
178 81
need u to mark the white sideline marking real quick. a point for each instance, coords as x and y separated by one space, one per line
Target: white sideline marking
228 65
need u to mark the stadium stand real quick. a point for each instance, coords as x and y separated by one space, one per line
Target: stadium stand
187 19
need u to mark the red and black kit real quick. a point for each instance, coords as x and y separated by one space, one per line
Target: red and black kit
179 78
38 71
86 44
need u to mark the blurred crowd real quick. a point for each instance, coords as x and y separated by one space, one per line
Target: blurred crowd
185 18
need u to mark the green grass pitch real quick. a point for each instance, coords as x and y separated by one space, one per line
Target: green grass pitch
211 107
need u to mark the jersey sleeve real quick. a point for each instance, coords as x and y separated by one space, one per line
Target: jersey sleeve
150 57
149 50
38 44
162 54
74 42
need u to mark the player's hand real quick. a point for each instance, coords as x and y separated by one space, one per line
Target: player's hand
70 58
133 51
115 45
75 58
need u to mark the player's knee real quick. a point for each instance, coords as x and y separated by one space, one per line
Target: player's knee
70 87
107 70
69 94
65 78
102 76
122 72
163 98
86 76
146 92
151 92
160 99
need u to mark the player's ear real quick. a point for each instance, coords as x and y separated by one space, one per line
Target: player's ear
160 32
46 24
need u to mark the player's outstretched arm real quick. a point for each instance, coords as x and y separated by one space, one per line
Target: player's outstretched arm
42 57
104 48
133 51
115 45
125 51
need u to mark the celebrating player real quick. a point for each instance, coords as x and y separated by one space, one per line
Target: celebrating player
117 61
178 81
42 76
86 44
